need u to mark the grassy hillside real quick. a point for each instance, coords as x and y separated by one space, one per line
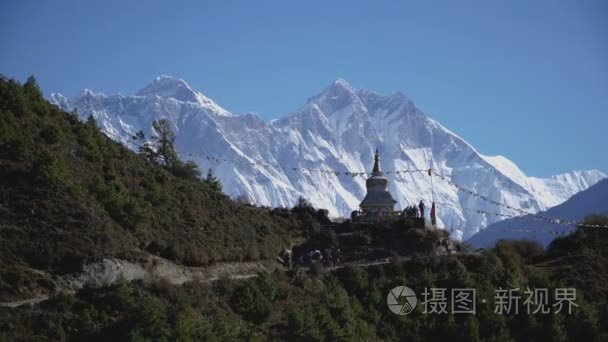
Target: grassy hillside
69 194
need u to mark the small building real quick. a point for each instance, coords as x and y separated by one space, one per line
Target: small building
378 202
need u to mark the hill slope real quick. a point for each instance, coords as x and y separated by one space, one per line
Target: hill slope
69 195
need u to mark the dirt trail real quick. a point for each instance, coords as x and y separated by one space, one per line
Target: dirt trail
110 271
30 301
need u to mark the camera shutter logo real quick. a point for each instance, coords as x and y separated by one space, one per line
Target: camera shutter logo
408 297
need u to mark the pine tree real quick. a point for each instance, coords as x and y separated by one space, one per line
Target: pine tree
34 96
32 89
165 137
145 148
163 151
213 182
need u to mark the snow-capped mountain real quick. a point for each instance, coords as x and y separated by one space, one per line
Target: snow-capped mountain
592 201
338 129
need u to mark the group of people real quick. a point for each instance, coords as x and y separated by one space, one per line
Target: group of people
413 211
332 257
329 258
310 258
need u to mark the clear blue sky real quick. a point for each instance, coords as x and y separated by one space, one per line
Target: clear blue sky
525 79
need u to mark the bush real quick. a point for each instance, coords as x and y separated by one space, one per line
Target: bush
267 285
250 302
50 169
51 134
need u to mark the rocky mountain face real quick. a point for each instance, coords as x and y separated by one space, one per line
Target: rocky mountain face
336 130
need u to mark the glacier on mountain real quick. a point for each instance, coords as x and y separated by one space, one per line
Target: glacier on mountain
338 130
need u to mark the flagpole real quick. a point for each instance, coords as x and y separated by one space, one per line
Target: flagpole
433 209
432 187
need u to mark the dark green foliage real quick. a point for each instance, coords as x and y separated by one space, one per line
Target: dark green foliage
581 259
305 211
163 153
50 169
165 137
213 182
150 320
128 312
51 134
266 283
145 148
347 305
69 195
190 170
249 301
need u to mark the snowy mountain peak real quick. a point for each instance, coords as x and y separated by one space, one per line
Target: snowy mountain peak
338 89
338 130
594 175
340 82
60 101
167 86
338 100
178 89
89 92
